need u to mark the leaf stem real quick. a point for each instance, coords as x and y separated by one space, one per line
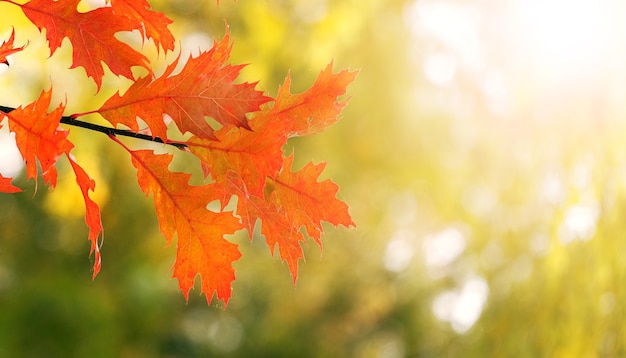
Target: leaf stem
70 120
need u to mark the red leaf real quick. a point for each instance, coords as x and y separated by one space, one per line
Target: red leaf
7 48
92 213
39 137
6 186
203 88
154 23
317 108
182 208
92 35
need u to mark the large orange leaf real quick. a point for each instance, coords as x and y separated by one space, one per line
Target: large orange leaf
154 23
181 208
317 108
38 136
7 48
204 87
92 35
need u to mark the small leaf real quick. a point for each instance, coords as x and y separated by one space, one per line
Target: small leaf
7 49
39 137
92 212
317 108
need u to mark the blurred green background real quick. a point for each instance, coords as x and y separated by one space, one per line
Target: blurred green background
483 156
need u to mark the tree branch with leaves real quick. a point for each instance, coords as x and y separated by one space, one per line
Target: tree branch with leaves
241 157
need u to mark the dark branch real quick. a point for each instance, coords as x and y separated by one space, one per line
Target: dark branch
107 130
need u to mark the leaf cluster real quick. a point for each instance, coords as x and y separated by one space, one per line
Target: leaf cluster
237 132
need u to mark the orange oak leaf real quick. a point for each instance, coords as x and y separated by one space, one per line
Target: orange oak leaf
181 208
7 187
7 48
154 23
39 137
203 88
308 201
292 201
317 108
91 33
305 202
92 213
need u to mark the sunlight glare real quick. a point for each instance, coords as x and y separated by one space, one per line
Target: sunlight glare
11 163
579 223
443 247
399 251
462 307
572 37
440 69
456 26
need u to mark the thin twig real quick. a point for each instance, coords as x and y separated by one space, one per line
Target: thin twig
108 130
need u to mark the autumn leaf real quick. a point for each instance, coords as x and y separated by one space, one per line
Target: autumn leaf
92 35
7 48
154 23
204 87
308 202
7 187
317 108
293 201
181 208
302 201
39 137
92 213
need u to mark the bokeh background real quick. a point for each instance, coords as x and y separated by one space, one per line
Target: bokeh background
483 156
